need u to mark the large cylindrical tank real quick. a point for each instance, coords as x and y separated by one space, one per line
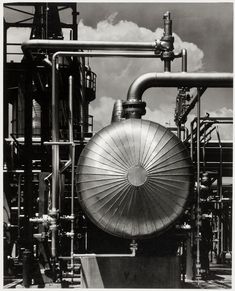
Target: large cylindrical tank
134 178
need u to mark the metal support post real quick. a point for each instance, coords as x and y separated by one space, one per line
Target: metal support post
75 13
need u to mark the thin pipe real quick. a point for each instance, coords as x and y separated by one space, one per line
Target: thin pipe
149 80
57 143
198 192
221 161
72 153
179 131
220 191
82 102
203 139
132 254
19 212
72 206
28 187
70 119
184 60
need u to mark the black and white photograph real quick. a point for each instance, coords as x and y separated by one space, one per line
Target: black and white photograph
117 144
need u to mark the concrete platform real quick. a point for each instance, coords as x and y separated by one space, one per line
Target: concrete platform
134 272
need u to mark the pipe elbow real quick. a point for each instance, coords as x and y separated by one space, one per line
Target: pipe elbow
134 107
180 79
140 85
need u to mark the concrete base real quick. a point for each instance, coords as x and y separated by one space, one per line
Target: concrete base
136 272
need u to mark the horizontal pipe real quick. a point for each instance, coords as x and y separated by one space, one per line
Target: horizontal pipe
106 54
132 254
91 45
146 81
58 143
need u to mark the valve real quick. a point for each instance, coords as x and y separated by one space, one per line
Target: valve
133 247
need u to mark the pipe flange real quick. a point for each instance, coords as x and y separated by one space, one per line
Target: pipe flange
134 108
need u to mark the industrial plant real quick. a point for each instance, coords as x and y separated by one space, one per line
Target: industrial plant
135 204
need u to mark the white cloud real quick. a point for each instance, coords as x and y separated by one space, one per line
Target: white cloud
222 112
114 75
102 113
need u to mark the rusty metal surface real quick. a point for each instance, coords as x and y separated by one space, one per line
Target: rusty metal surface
134 178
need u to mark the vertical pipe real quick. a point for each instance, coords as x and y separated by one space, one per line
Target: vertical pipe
179 130
204 148
167 65
19 212
75 25
28 167
27 268
53 228
184 60
5 99
55 159
72 208
191 140
73 167
55 138
82 100
71 108
45 131
220 205
198 189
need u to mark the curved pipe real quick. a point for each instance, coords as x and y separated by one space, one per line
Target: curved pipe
149 80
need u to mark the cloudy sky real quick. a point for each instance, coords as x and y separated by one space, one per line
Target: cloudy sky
206 30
